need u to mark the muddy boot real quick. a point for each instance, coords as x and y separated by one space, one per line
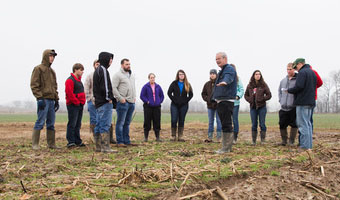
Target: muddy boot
263 137
173 134
92 140
254 136
227 142
146 136
158 139
112 141
293 133
35 139
106 143
235 138
180 134
284 136
98 142
51 139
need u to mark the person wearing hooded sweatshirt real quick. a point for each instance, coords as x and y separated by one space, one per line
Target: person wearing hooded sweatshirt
152 97
45 89
75 100
304 93
104 102
287 113
123 85
206 94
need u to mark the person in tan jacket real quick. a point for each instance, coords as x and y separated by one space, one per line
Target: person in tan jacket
45 89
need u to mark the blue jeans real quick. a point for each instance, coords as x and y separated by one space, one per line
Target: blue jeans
47 114
75 114
178 114
211 115
93 112
235 118
303 116
260 114
124 115
104 119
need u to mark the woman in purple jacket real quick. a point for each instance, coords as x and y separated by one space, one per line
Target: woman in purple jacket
152 96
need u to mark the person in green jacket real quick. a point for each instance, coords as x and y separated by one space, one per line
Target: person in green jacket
239 95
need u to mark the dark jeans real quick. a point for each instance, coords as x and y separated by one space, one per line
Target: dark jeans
235 118
152 114
258 114
225 112
287 118
178 115
75 114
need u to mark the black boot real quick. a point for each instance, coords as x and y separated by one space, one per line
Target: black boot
157 137
293 133
284 136
263 137
254 136
146 135
173 134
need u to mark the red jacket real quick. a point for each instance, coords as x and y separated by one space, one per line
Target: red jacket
74 90
319 82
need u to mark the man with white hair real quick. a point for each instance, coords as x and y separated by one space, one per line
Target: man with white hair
225 94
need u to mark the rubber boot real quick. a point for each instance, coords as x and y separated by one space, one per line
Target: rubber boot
263 137
51 139
98 142
106 146
293 133
92 126
35 139
235 138
158 139
173 134
180 134
112 140
254 136
146 136
284 136
227 142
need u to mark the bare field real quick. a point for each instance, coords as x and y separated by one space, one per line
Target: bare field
167 170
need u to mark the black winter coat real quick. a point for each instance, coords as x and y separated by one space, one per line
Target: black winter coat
176 97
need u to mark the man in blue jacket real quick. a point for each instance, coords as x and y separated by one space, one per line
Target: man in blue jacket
224 94
304 93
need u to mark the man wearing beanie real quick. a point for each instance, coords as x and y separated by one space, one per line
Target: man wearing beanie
44 88
304 93
211 105
104 102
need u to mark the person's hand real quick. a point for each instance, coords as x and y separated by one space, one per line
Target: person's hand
41 104
237 97
284 90
56 105
221 84
122 101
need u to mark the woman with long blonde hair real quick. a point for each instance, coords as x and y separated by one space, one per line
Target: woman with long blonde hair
180 93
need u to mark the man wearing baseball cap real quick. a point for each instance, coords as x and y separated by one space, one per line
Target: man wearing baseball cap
304 93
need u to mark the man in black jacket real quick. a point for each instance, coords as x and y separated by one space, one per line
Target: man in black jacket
104 102
304 93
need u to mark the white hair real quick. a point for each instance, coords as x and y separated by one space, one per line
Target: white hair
223 54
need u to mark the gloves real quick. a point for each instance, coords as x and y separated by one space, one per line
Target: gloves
41 104
56 105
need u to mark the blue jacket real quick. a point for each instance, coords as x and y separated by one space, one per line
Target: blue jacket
305 86
146 95
239 92
227 92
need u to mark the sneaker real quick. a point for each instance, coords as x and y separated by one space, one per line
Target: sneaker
71 145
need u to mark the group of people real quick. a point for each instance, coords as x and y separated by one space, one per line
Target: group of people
297 94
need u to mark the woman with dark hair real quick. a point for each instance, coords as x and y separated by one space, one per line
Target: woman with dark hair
152 97
257 93
180 93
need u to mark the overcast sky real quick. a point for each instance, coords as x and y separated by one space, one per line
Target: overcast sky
164 36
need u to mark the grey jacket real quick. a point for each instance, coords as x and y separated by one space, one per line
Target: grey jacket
286 99
88 86
123 86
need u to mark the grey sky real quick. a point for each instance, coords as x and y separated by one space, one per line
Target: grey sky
164 36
